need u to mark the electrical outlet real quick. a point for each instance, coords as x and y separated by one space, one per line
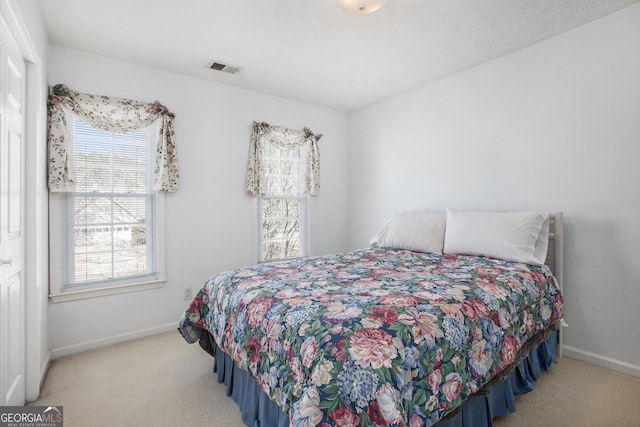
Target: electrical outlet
187 294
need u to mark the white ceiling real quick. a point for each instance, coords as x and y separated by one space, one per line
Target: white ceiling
310 50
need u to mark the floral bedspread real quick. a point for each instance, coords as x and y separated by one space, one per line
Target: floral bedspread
376 336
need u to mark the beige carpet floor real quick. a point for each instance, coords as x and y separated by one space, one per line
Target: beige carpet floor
163 381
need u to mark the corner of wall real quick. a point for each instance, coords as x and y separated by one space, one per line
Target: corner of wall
602 361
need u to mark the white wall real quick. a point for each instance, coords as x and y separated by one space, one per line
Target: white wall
209 220
555 126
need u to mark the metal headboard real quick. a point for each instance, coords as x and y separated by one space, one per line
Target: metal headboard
555 260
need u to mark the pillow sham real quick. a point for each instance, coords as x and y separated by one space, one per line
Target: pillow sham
542 244
420 232
511 236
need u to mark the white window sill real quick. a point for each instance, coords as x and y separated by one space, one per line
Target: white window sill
101 292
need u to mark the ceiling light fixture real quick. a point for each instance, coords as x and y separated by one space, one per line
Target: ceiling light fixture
360 6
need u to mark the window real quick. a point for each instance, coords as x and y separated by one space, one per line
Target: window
275 177
109 234
283 217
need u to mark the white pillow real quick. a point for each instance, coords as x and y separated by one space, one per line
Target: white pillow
420 232
542 244
512 236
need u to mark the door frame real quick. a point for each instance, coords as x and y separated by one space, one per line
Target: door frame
36 201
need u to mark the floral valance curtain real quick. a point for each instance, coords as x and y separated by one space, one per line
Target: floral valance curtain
264 133
113 115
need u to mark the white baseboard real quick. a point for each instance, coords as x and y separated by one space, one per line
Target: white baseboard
602 361
32 393
103 342
44 367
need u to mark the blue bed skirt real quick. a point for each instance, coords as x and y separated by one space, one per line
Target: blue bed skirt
478 411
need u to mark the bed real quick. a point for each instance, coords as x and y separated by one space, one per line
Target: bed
421 328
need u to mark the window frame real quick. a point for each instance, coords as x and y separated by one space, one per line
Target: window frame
305 222
304 226
58 220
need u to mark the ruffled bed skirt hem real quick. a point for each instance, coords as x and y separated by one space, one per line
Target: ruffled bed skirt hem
479 411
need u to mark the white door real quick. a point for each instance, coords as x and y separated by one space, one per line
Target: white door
12 215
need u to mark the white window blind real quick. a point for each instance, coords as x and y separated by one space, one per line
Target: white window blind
109 222
283 208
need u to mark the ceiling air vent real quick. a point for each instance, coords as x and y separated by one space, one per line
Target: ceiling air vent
225 68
